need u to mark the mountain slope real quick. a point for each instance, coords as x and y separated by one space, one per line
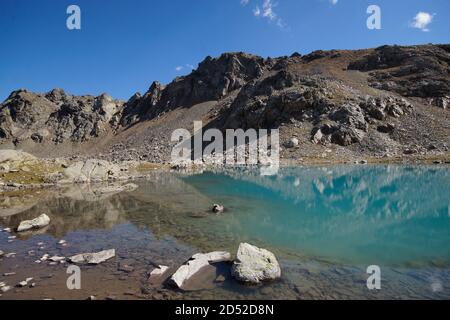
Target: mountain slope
338 104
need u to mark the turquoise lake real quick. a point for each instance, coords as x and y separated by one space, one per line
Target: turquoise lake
325 224
385 215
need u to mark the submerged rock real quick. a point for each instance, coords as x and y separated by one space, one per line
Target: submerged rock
39 222
93 258
195 264
217 208
254 265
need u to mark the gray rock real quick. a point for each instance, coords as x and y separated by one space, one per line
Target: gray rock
195 264
157 272
254 265
5 288
57 259
217 208
91 170
292 143
93 258
15 155
39 222
317 136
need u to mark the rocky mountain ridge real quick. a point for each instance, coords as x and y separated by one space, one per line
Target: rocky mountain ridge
391 100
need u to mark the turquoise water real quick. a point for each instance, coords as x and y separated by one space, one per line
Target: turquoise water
326 225
363 215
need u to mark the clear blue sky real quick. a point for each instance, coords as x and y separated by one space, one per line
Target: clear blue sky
126 44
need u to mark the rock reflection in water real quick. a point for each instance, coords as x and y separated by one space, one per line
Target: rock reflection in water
324 223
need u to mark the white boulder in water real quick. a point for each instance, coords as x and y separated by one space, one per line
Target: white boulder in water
254 265
40 222
217 208
195 264
93 258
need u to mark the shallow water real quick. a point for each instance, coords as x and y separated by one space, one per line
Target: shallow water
325 224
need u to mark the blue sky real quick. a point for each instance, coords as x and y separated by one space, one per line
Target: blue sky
124 45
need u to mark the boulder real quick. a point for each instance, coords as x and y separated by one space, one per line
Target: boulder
39 222
317 136
93 258
5 288
254 265
292 143
195 264
91 170
15 155
441 102
346 136
217 208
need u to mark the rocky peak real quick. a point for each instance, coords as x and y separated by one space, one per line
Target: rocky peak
55 116
416 71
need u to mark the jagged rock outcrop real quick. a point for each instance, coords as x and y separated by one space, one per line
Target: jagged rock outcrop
57 117
417 71
212 80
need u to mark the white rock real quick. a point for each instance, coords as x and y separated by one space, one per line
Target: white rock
159 271
253 265
217 208
195 264
1 253
9 255
7 230
15 155
45 257
213 257
61 241
24 283
5 288
39 222
57 259
2 284
91 170
292 143
93 258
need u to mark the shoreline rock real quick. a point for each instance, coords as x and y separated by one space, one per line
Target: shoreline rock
254 265
93 258
37 223
195 264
